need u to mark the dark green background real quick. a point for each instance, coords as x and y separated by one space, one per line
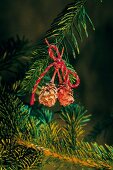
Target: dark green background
32 18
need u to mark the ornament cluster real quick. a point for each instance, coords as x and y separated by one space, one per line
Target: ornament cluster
49 95
63 92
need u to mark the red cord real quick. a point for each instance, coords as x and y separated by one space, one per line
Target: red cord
58 64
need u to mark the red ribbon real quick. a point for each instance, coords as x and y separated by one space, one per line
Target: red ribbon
58 64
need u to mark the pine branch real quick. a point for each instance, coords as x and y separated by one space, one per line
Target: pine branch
99 128
14 59
31 76
75 119
98 159
69 25
99 156
12 47
16 156
16 123
64 32
24 148
9 109
52 134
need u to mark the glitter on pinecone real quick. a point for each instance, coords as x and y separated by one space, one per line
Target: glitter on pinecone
65 95
48 95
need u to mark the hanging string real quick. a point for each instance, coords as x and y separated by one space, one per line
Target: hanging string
58 64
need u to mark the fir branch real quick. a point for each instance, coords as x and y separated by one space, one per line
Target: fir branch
9 109
16 123
12 47
102 156
22 150
14 59
49 136
98 129
64 32
70 24
75 119
14 118
85 159
16 156
32 75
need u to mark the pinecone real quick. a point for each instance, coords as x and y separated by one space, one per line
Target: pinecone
65 95
48 95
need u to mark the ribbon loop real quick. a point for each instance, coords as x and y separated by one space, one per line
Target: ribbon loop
77 79
51 52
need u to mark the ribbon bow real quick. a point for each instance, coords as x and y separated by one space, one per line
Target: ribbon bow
58 64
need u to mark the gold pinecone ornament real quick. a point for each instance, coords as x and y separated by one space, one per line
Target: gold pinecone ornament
48 95
65 95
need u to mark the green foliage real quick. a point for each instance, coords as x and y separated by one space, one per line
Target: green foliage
26 138
15 156
66 31
32 75
99 128
70 25
12 155
49 135
14 59
100 156
30 138
45 116
12 47
16 123
75 118
9 108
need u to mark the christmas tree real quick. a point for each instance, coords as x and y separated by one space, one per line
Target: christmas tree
42 122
